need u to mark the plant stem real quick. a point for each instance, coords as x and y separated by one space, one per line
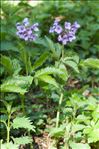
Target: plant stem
8 130
63 52
58 112
26 69
66 146
23 103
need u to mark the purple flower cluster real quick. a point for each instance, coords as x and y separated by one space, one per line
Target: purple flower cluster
67 34
25 31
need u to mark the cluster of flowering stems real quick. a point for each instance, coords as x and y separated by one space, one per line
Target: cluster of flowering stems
28 32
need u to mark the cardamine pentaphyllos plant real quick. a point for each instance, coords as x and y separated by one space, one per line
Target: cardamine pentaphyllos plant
65 35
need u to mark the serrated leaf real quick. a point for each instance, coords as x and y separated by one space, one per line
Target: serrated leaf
23 140
75 58
72 64
51 70
11 66
22 122
50 44
57 132
48 79
7 63
40 60
3 118
92 132
9 145
92 62
16 67
74 145
18 84
6 45
77 127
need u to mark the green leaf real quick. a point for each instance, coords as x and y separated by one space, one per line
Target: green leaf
40 60
25 58
6 45
72 64
57 132
9 145
3 118
75 58
83 118
18 84
22 122
16 67
11 66
51 70
95 113
23 140
92 132
48 79
74 145
92 62
77 127
7 63
50 44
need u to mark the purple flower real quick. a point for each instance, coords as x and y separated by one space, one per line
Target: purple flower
26 22
60 38
25 31
67 34
51 30
35 27
76 25
67 25
56 27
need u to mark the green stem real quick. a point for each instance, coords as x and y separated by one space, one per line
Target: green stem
8 130
66 145
63 52
26 69
58 112
23 103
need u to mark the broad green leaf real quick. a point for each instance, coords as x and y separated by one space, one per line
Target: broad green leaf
6 46
74 145
10 145
7 63
92 62
25 58
72 64
40 60
16 67
51 70
77 127
75 58
22 122
50 44
57 132
95 113
58 49
18 84
23 140
83 118
48 79
92 132
11 66
3 118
